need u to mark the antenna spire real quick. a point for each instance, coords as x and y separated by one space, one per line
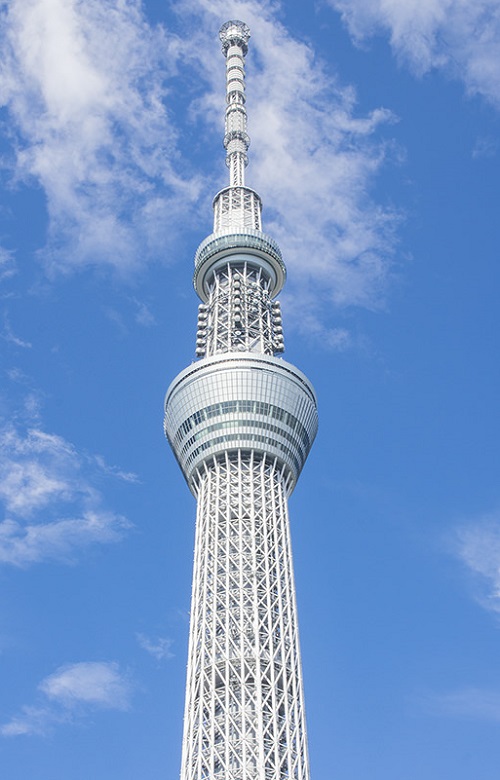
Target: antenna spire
236 207
234 37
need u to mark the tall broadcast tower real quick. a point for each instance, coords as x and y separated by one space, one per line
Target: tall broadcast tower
241 423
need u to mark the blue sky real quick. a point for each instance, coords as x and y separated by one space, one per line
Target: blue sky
374 128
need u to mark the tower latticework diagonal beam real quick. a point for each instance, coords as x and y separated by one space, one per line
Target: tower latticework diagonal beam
241 423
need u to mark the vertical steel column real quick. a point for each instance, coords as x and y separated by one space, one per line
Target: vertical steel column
244 716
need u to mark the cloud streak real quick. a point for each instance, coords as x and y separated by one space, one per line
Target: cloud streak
69 695
460 37
52 509
470 702
159 648
478 547
9 335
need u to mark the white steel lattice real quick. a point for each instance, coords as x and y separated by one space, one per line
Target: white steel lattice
244 716
236 208
240 315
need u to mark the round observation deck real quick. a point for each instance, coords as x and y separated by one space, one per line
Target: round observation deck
245 244
240 402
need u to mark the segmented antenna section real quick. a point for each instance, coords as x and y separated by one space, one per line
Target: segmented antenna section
236 207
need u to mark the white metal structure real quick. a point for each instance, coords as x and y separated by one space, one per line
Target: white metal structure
241 423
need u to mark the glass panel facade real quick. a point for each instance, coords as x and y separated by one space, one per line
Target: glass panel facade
233 402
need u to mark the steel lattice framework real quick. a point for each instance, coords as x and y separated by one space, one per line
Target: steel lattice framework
241 423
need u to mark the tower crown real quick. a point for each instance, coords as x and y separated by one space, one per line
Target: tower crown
234 33
237 208
239 396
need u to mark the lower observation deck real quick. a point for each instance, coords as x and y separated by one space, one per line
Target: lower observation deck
240 402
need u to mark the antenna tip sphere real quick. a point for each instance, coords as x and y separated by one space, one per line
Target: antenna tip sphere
234 32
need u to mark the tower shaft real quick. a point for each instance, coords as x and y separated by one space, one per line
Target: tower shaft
244 714
241 423
240 315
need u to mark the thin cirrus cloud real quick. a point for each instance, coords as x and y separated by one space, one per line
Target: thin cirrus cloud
69 695
8 335
7 264
478 547
101 135
159 647
460 37
52 509
470 703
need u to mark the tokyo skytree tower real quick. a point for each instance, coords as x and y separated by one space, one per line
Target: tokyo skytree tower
241 423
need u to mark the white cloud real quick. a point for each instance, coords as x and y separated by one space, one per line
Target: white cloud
84 83
311 325
313 159
7 264
36 469
462 37
60 540
85 86
475 703
17 375
159 648
71 693
478 546
31 720
143 314
95 683
126 476
52 509
9 335
485 147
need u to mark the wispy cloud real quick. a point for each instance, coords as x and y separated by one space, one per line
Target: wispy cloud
312 325
159 647
52 508
461 37
9 335
126 476
95 127
22 544
70 694
474 703
99 684
477 544
485 148
17 375
143 315
7 264
35 470
314 160
84 85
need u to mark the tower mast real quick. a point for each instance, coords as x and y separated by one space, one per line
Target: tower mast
234 38
241 423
